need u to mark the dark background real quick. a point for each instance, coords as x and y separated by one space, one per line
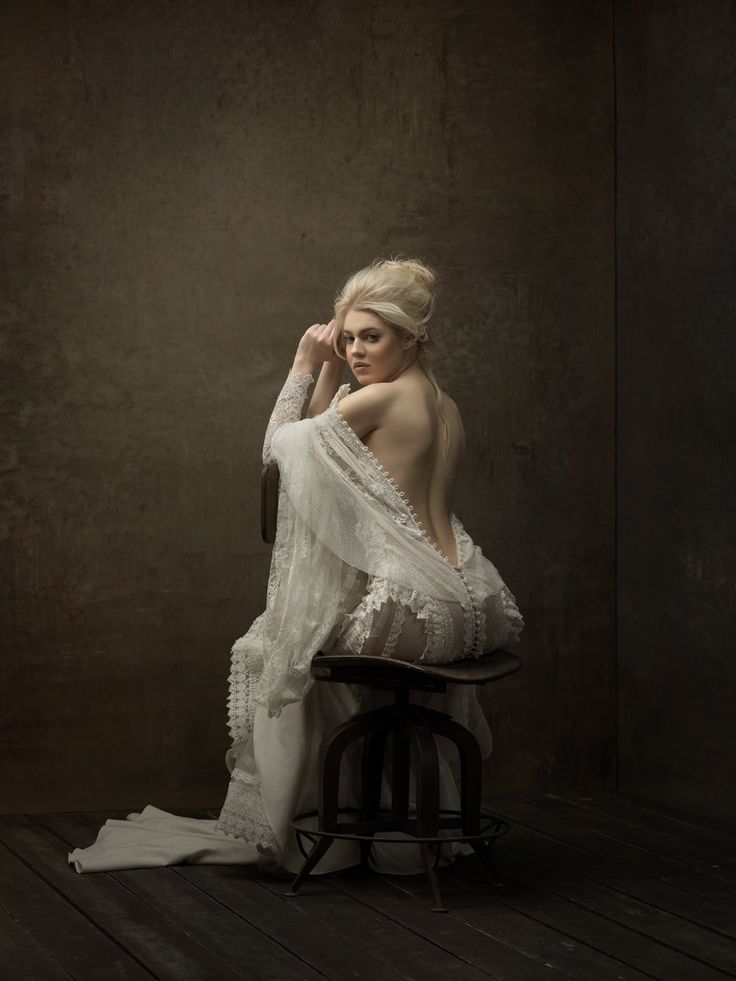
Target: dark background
185 187
676 407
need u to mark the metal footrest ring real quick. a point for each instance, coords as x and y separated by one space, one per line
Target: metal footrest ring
494 828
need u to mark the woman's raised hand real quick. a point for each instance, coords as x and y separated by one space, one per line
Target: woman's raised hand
315 346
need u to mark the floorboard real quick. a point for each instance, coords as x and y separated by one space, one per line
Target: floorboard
688 850
680 826
50 920
481 909
590 837
165 949
234 939
475 954
589 888
632 883
655 938
316 942
620 953
22 957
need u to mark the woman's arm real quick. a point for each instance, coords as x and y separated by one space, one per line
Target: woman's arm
288 406
327 385
314 347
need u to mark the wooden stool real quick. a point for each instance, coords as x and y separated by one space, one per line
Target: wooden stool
412 729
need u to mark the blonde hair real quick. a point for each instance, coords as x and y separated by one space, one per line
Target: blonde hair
399 291
402 293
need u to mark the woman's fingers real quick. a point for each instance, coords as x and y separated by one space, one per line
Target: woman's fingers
317 341
321 328
323 332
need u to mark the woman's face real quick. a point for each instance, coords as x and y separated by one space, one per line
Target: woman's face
374 350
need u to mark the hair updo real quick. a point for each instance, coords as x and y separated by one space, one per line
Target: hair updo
399 291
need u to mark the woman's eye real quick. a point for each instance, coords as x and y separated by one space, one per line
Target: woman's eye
373 337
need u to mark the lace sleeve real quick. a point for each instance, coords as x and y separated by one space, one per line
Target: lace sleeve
288 408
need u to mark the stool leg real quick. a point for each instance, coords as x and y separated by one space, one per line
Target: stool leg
330 757
427 781
470 787
428 806
329 792
400 776
372 780
318 850
470 771
372 774
430 858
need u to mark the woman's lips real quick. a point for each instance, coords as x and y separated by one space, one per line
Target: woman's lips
360 367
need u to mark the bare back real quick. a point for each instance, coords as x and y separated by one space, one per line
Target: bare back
409 444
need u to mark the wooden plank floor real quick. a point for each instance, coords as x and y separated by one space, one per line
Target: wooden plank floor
598 889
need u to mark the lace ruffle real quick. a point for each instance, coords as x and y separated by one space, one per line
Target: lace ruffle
394 602
395 632
244 815
515 621
288 408
246 665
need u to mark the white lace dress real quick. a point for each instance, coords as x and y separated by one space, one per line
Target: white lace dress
352 571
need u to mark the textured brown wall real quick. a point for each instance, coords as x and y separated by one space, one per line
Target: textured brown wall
187 185
677 412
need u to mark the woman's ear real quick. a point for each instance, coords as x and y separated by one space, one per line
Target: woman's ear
411 342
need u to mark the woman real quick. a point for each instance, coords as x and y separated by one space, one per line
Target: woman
368 558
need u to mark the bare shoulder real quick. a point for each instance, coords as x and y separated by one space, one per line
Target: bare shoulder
365 409
377 391
371 397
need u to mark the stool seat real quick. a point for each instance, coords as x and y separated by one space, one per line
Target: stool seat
374 669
